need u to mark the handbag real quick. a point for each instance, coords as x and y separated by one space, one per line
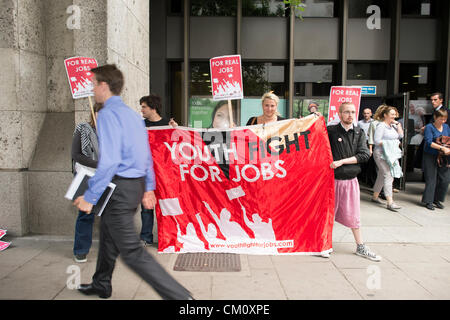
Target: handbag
442 159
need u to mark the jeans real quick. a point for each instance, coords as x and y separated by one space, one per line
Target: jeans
83 233
147 225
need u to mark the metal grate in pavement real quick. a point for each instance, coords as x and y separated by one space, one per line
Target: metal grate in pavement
208 262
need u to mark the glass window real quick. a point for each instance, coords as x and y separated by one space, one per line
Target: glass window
314 79
200 79
358 8
419 8
175 84
320 8
263 8
261 77
175 7
201 104
227 8
312 83
418 79
300 107
366 71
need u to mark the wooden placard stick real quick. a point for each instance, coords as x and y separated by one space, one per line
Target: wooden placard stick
230 113
92 111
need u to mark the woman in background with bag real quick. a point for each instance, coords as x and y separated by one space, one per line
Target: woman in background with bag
85 153
436 160
386 154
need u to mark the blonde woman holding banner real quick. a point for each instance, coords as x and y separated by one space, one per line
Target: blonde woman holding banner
270 110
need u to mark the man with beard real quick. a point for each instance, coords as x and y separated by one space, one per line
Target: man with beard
349 149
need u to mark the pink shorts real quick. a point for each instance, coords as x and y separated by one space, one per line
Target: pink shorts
347 202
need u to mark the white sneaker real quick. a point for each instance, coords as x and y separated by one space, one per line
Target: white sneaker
323 255
393 206
363 251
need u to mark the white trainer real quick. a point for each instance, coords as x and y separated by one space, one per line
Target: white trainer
363 251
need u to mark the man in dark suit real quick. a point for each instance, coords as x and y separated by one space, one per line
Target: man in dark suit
437 100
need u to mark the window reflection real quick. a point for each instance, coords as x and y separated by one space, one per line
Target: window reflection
200 79
366 71
358 8
263 8
209 8
419 8
301 106
261 77
320 8
175 7
418 79
314 79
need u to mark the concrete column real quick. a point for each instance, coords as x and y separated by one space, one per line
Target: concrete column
394 62
343 41
291 62
158 53
23 104
186 63
37 112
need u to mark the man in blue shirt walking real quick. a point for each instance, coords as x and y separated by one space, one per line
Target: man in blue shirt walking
125 159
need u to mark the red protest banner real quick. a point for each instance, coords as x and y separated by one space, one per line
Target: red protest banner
226 78
339 95
79 74
246 190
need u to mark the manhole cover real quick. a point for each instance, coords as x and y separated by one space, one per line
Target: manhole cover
208 262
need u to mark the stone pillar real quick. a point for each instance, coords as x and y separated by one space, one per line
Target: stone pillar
128 44
37 112
23 104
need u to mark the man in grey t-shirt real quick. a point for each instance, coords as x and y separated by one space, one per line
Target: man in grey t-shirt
365 122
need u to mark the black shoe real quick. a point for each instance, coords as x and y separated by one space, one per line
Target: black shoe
429 206
438 205
89 290
146 243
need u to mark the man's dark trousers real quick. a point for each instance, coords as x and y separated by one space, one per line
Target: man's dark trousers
118 236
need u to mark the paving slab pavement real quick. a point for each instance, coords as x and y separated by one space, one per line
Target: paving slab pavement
414 244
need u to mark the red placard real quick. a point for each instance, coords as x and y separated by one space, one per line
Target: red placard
339 95
79 74
4 245
226 77
2 233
